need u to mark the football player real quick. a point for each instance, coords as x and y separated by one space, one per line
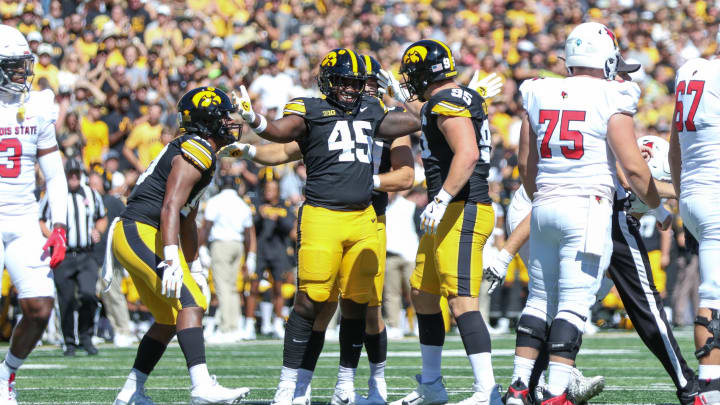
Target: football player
695 169
393 170
337 226
156 240
27 136
457 222
569 173
630 270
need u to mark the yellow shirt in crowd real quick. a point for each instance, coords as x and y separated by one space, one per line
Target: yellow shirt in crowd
145 139
96 138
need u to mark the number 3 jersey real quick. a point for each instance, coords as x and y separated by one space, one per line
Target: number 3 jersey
21 136
337 151
569 117
436 152
146 201
697 121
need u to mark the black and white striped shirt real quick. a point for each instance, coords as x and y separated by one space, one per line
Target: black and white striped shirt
85 206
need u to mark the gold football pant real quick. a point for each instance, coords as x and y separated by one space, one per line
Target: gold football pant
449 263
337 247
139 248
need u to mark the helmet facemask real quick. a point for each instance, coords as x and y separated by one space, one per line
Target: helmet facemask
14 73
415 81
345 91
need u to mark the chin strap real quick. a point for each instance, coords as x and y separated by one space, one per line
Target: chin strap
713 326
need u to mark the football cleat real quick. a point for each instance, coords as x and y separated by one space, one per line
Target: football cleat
517 394
303 394
432 393
688 393
709 392
562 399
283 395
216 394
582 388
377 393
7 391
137 398
481 398
343 396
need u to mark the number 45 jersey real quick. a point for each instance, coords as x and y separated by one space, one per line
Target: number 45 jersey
569 117
337 151
21 135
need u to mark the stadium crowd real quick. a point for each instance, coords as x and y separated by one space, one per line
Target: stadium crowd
118 67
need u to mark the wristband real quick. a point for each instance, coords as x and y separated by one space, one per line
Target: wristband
660 213
171 252
376 181
504 257
252 150
443 197
263 125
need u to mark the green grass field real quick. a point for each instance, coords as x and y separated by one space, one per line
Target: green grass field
632 374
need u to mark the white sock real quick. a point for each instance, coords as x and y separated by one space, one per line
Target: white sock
346 378
522 370
199 375
250 324
135 381
304 377
482 369
708 371
377 371
541 379
266 310
558 377
431 362
288 377
10 365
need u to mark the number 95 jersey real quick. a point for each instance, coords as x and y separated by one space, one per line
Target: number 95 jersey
337 151
21 136
569 117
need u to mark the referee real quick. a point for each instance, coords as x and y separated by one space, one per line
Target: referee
77 275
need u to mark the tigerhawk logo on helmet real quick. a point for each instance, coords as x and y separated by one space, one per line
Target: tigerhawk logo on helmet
424 62
206 97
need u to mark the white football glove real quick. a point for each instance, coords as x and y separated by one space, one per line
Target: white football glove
238 150
497 270
489 86
251 263
433 213
172 273
244 105
391 86
200 275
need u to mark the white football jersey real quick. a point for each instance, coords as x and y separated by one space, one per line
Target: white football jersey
19 143
697 121
570 117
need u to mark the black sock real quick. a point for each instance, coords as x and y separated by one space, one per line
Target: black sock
432 329
376 347
297 336
474 332
351 341
149 353
192 345
313 350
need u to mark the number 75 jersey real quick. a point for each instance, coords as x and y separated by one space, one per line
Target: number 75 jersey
337 151
697 121
21 135
569 117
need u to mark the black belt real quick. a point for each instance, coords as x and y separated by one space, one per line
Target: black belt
77 251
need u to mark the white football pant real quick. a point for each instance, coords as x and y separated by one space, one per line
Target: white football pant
21 252
701 215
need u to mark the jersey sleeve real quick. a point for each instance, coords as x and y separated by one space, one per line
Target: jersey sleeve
449 106
295 106
198 152
45 101
624 98
525 90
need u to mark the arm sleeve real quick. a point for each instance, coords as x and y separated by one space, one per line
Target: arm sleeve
56 183
295 106
525 93
197 151
46 134
44 210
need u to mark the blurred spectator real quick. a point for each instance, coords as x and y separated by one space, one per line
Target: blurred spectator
145 140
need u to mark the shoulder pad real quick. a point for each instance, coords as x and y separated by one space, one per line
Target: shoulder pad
198 152
43 104
625 96
295 106
448 106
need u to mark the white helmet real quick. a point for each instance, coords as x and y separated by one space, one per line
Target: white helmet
592 45
15 60
658 163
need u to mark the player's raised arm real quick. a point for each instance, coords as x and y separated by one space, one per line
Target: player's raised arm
402 175
397 124
283 130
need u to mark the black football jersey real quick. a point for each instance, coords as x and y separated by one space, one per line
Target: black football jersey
381 164
146 200
436 152
337 151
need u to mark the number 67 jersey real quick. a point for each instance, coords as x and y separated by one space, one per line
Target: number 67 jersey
21 135
569 117
337 151
697 121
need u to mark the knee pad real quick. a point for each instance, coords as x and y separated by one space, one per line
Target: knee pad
565 336
713 326
531 332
